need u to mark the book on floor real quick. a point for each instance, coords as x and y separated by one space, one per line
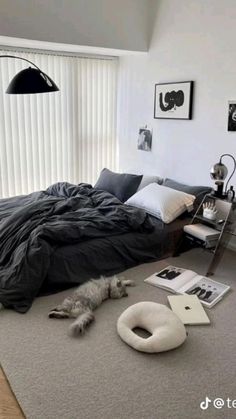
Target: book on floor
185 281
189 309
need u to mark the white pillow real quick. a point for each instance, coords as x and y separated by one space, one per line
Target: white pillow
167 330
162 202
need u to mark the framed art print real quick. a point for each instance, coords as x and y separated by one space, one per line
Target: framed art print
173 100
232 116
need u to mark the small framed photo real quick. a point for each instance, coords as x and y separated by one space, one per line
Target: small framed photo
145 139
173 100
232 116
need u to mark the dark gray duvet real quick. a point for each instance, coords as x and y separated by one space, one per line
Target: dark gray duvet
74 264
36 227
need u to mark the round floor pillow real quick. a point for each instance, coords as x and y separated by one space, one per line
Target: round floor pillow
167 330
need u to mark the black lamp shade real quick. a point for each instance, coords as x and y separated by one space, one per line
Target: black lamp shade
31 80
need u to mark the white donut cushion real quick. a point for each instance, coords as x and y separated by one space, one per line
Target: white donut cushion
167 330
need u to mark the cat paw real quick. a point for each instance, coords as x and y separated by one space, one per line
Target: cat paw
55 314
76 330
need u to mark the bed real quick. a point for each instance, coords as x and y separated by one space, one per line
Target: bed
74 264
58 238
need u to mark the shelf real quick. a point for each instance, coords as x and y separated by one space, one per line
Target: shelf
212 223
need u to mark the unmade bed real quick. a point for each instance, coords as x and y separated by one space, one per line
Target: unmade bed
58 238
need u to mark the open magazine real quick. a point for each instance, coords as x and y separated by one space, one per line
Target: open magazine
184 281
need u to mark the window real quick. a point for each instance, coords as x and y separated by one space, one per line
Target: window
64 136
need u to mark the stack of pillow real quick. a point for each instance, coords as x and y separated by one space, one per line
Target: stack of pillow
164 199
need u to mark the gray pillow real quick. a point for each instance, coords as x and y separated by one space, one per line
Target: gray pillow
147 179
122 185
198 191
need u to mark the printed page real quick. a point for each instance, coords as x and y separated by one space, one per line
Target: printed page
207 290
171 278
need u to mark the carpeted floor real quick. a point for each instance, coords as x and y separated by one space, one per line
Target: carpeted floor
99 377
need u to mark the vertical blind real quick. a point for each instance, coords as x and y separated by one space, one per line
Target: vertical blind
69 135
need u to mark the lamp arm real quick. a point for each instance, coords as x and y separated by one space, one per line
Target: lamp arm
20 58
229 155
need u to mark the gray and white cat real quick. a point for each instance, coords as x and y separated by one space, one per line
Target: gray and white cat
86 299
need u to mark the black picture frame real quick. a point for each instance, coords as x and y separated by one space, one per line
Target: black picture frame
173 100
232 116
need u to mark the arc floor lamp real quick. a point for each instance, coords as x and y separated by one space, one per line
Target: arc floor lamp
30 80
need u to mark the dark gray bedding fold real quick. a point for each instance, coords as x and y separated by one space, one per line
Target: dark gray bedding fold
33 226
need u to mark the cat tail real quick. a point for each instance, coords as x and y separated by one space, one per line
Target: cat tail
81 323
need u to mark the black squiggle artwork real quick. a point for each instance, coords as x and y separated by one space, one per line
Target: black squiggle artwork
171 100
232 117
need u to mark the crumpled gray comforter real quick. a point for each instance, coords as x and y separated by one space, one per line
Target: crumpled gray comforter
33 226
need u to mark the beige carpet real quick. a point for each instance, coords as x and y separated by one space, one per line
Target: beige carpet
98 376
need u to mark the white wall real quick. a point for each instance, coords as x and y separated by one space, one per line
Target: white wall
121 24
192 40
